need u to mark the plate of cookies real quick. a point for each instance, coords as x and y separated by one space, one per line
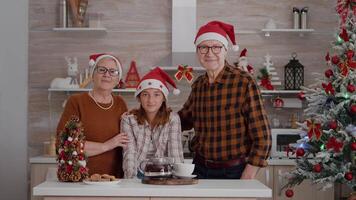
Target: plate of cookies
101 179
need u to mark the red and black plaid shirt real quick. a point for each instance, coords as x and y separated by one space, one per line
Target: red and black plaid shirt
228 117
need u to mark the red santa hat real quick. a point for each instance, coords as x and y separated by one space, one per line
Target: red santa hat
216 30
157 79
95 58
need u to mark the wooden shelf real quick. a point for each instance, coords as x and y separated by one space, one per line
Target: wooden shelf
175 68
128 90
78 29
301 32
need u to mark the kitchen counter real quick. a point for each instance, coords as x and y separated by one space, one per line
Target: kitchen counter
52 160
235 189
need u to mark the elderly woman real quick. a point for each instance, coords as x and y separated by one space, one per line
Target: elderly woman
100 112
153 129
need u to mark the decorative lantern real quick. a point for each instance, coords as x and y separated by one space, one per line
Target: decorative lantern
293 74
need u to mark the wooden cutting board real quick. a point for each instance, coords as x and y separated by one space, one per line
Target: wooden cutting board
169 181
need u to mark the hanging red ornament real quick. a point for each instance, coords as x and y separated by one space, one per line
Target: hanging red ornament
289 193
343 35
333 125
301 95
348 176
334 144
350 54
328 88
351 88
317 168
335 60
353 109
300 152
353 146
329 73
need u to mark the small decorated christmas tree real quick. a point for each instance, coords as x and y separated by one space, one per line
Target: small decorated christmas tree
330 131
70 152
132 78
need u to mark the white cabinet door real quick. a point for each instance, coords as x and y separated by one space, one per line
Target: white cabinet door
265 176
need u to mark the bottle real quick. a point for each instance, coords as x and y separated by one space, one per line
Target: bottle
303 17
296 18
63 14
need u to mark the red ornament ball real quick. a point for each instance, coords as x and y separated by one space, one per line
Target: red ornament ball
300 152
353 146
351 88
349 176
317 168
333 125
335 60
329 73
289 193
353 109
350 54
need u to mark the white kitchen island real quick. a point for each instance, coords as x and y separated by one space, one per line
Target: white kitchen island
134 189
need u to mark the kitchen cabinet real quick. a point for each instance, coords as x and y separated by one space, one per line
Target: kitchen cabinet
265 176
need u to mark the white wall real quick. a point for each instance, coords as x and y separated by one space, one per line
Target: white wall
13 99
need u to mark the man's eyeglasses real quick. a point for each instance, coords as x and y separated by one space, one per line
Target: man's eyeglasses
205 49
103 70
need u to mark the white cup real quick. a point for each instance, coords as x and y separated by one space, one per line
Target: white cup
183 169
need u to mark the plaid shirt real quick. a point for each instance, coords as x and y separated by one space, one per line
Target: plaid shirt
167 140
228 118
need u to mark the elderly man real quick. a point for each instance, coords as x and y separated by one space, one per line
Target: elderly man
232 135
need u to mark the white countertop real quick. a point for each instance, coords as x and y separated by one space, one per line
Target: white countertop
52 160
134 187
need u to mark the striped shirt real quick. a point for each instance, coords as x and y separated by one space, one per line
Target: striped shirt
167 141
228 117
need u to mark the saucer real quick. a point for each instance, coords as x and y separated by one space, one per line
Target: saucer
184 176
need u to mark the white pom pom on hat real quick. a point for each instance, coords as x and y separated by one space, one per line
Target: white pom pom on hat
217 30
157 79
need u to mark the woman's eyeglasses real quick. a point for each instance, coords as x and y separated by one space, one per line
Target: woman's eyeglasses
103 70
205 49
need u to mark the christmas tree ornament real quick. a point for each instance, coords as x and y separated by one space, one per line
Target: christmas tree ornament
329 73
327 59
343 35
301 95
353 109
353 37
289 193
184 71
132 78
278 102
348 176
243 62
334 144
265 79
317 168
314 129
328 88
335 59
300 152
71 164
333 125
351 88
293 74
353 146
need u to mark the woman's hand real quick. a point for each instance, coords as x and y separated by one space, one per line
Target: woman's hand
119 140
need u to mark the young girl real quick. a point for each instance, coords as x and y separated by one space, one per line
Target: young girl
153 129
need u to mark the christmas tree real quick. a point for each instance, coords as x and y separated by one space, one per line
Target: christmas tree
70 152
330 131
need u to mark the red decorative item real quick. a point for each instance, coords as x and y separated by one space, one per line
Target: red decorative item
353 146
349 176
289 193
132 78
184 71
300 152
314 129
334 144
329 73
353 109
351 88
335 60
333 125
317 168
343 9
343 35
301 95
327 58
278 102
328 88
344 67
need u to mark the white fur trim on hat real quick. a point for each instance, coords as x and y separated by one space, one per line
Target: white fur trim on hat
212 36
106 56
152 83
235 47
